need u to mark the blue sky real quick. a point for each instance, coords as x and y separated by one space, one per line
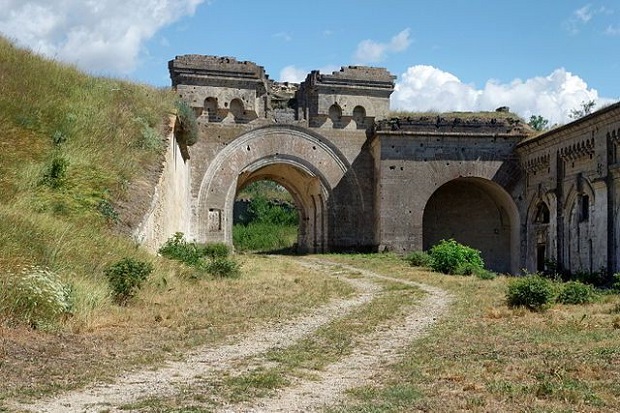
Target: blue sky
543 57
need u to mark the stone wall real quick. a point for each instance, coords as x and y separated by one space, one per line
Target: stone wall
571 192
170 206
440 177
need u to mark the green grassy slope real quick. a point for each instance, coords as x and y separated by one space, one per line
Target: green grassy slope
71 144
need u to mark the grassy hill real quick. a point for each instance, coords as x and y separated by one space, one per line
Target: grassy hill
73 146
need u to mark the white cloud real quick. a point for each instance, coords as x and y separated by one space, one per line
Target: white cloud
284 36
369 51
612 30
104 36
583 14
296 74
426 88
293 74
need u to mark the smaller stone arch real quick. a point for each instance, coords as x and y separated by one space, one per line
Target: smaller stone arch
237 109
359 117
211 107
462 203
541 215
335 114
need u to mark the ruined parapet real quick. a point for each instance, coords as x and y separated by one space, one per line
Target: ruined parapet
283 102
461 123
351 98
221 89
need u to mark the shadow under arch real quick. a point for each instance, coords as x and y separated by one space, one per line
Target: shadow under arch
305 163
479 213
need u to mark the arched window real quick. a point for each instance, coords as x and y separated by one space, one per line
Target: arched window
335 113
237 110
359 116
211 108
542 214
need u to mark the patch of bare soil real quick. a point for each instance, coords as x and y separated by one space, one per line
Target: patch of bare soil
307 395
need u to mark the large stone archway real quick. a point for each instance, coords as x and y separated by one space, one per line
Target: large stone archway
479 213
306 164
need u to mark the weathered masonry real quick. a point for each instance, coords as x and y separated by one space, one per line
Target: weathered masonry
572 194
364 181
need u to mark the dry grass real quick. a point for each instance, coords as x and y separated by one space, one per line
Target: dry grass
168 318
486 357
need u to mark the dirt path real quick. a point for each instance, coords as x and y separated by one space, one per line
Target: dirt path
375 350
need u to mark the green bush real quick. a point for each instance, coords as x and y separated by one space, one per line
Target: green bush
216 250
450 257
616 282
484 274
576 292
418 259
223 267
55 174
126 277
186 126
36 297
177 248
531 291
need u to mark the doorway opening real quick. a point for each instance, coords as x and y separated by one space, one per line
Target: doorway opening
265 218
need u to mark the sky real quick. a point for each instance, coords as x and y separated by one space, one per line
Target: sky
544 57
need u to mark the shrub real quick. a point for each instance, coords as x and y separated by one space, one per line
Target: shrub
616 282
56 172
36 297
418 259
484 274
576 292
223 267
531 291
186 127
126 277
449 256
177 248
216 250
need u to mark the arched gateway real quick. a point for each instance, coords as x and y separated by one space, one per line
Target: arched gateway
304 163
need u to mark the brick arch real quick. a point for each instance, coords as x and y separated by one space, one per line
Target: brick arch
305 163
477 212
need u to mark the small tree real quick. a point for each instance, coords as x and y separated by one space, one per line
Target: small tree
538 123
126 277
585 108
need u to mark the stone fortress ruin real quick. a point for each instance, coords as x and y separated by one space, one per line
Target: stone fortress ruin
363 180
